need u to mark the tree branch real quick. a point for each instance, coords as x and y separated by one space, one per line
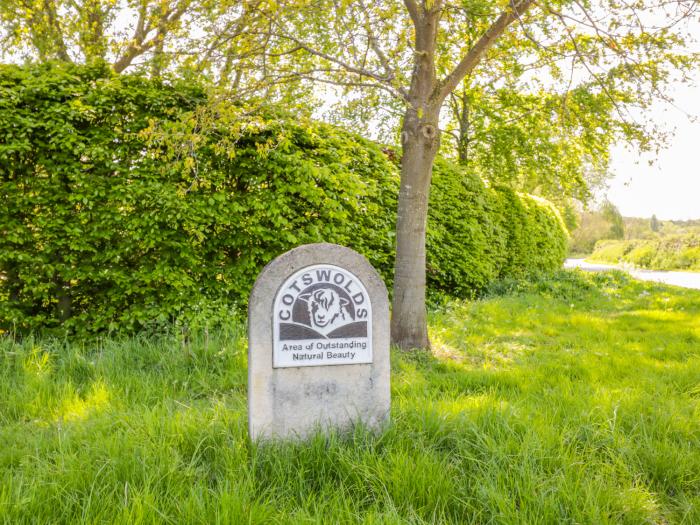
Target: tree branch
475 54
374 44
55 26
412 8
581 56
384 79
139 45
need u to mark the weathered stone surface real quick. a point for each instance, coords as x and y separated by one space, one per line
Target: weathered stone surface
327 295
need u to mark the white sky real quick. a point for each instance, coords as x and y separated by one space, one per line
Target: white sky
670 188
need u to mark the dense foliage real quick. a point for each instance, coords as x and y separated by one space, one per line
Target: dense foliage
477 234
677 252
535 140
116 211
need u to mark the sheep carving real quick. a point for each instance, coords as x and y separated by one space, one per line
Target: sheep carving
327 310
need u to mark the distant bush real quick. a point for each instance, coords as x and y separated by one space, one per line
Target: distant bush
679 252
117 213
611 251
642 254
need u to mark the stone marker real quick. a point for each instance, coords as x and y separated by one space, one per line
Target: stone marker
318 344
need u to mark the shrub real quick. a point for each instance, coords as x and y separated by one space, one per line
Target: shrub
688 259
120 208
102 229
642 254
537 238
611 251
467 239
677 252
477 234
91 232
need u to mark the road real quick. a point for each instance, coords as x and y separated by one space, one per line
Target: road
684 279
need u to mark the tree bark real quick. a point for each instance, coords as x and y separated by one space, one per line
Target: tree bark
420 139
464 125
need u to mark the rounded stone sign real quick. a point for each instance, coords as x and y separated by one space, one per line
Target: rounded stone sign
318 347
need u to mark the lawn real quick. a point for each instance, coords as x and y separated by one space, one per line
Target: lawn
575 399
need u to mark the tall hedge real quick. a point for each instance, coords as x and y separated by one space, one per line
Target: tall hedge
104 227
477 234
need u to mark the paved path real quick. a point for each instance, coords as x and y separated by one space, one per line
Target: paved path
684 279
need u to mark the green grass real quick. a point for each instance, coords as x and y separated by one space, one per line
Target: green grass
575 399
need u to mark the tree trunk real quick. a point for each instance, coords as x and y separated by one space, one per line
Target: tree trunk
420 140
464 125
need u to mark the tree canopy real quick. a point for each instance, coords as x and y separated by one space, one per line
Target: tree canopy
539 113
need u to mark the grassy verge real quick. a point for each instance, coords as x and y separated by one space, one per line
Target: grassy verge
572 400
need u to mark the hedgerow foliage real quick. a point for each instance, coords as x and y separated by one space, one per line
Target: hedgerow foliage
120 209
478 234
